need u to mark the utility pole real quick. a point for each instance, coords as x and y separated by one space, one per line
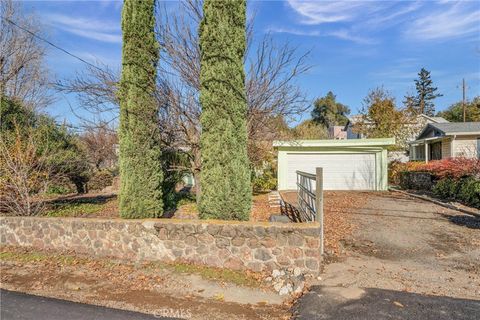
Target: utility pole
463 100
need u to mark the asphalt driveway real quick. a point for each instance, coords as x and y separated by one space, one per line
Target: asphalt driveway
406 259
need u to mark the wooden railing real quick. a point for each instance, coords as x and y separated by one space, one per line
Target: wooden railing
310 198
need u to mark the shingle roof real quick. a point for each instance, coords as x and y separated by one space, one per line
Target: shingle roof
432 119
439 119
457 127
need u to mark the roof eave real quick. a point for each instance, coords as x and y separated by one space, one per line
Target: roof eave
428 126
379 142
462 133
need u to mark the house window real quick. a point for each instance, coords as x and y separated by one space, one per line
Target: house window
436 151
419 152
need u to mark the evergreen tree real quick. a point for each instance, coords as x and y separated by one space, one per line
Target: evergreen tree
140 151
426 93
328 112
409 103
225 176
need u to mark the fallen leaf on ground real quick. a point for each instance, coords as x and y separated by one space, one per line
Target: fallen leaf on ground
398 304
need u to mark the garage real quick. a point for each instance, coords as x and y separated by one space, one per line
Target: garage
356 164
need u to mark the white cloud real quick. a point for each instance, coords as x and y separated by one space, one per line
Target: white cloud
396 15
318 12
95 35
451 20
345 34
296 32
88 28
357 20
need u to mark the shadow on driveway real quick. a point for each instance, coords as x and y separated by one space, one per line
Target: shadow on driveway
465 221
378 304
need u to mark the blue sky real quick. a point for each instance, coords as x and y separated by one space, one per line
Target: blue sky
356 45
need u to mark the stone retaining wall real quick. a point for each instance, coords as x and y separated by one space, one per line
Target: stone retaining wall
235 245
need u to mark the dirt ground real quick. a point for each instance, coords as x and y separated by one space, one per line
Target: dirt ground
105 205
337 222
260 212
404 244
149 288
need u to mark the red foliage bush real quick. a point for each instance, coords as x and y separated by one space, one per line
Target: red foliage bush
395 169
454 168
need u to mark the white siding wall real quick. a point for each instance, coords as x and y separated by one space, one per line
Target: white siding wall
465 146
446 148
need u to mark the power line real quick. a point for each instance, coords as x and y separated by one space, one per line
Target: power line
52 44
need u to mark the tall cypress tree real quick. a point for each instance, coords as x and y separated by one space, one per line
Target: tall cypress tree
225 176
140 166
426 93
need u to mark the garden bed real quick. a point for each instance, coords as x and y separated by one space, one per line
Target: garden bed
449 180
105 205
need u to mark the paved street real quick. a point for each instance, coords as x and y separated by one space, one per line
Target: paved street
20 306
378 304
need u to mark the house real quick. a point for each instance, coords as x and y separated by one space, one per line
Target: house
337 133
355 164
444 140
349 127
410 133
420 121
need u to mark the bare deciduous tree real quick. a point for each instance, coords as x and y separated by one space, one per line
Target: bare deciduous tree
23 75
100 143
271 90
24 172
96 90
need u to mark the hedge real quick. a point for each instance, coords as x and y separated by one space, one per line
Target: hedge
465 190
456 179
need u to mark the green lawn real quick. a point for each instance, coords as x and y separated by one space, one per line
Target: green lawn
75 209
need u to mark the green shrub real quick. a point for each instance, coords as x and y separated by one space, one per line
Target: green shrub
60 185
469 192
184 198
58 189
265 182
466 190
446 188
100 180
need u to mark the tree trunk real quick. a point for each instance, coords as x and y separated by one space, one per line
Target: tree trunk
198 186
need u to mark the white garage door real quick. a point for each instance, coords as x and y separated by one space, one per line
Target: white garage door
340 171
